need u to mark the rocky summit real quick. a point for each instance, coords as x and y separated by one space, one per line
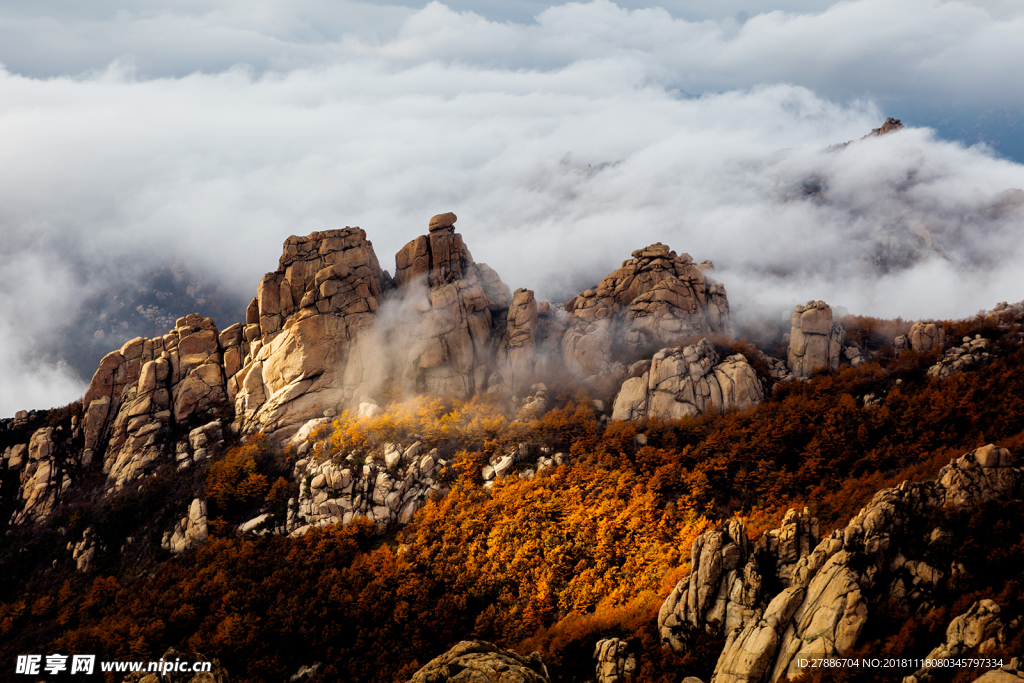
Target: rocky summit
329 330
423 477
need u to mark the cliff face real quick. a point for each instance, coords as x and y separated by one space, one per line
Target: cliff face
656 297
330 330
294 357
792 597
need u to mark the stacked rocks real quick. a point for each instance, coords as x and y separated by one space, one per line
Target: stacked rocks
685 382
388 488
967 355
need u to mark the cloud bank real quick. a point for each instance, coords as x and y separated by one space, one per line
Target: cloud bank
562 144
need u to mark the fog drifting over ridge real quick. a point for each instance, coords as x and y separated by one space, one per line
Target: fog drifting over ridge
562 144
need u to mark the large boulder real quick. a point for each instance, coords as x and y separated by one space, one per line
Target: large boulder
190 531
927 336
685 382
477 661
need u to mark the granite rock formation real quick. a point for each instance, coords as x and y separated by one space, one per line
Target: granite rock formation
923 337
615 663
977 631
528 350
962 357
656 297
791 597
815 341
190 531
685 382
890 125
293 358
477 661
43 475
447 337
388 487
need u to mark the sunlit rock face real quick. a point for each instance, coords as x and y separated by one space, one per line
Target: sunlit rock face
294 354
655 298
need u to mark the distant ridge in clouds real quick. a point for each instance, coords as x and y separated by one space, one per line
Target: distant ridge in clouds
562 145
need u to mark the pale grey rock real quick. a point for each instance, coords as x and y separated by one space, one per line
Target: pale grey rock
369 409
246 527
688 381
190 531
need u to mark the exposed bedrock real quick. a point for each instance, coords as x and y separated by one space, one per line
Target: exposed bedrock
815 340
655 298
477 661
790 596
685 382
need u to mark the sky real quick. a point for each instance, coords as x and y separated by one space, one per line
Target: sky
155 156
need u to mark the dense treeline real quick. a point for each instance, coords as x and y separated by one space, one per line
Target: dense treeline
580 552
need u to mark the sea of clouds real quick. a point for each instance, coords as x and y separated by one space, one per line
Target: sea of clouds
563 142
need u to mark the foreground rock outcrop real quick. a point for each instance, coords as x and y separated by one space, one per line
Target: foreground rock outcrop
685 382
791 597
477 661
615 663
977 631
